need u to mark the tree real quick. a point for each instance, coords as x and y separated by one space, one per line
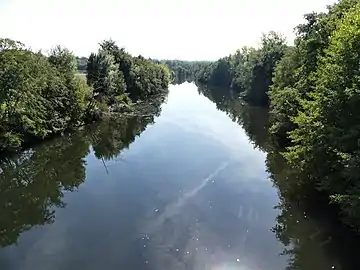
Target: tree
248 71
105 77
295 77
116 75
284 96
39 95
325 143
260 67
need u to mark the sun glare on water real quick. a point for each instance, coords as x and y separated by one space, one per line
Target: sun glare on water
230 266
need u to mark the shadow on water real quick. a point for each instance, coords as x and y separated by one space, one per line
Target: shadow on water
309 228
33 183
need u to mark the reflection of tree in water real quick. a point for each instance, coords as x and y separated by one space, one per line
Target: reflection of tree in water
308 227
32 184
179 76
180 80
113 135
253 119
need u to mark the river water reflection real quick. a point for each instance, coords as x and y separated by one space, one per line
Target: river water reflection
186 188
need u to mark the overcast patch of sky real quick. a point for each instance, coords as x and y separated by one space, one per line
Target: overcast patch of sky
162 29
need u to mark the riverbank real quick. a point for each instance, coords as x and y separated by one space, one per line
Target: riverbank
198 185
44 95
149 108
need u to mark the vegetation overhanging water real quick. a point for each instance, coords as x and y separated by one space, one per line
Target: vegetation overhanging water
311 89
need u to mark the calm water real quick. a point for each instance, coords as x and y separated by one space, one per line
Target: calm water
186 188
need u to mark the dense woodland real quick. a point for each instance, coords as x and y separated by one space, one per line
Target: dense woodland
42 95
313 92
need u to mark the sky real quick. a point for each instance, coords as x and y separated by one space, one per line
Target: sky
160 29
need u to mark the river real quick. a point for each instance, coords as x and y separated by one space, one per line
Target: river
189 187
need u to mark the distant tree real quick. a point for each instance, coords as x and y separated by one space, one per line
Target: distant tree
248 71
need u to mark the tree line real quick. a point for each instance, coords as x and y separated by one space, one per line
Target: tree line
42 95
183 71
313 91
314 99
248 71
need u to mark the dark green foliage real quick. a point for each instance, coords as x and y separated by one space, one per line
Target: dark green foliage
105 77
260 66
116 74
284 96
217 74
8 44
315 99
39 96
33 183
328 129
248 71
295 76
92 69
43 95
183 71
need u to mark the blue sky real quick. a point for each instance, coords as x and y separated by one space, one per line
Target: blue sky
181 29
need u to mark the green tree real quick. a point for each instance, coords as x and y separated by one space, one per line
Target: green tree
105 77
284 96
295 77
326 139
39 95
115 74
248 71
260 66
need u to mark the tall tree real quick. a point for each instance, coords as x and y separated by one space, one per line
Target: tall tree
326 141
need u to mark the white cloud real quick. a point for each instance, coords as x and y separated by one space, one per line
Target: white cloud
187 29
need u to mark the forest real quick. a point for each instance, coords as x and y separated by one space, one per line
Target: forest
43 95
312 90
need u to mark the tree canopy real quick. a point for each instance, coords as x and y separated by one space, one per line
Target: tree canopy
42 95
39 95
114 73
312 89
325 141
248 71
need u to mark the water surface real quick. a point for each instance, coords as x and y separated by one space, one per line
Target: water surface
186 188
